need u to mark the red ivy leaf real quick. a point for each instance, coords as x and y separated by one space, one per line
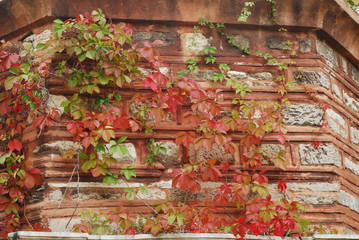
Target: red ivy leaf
315 144
150 82
185 138
15 145
282 185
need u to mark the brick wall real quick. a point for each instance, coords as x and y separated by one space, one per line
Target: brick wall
325 179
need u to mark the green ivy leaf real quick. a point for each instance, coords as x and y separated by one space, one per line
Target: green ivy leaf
110 180
128 172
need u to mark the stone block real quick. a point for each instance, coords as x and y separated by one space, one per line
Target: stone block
327 52
202 155
351 102
37 195
324 154
195 41
305 45
303 115
355 74
161 184
59 147
201 74
141 111
181 195
316 199
240 41
152 194
172 156
55 196
336 90
35 39
317 187
337 123
167 38
276 43
317 78
271 150
54 101
354 135
236 74
62 225
349 200
345 65
261 76
351 166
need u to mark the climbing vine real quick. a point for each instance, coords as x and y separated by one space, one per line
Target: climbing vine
95 59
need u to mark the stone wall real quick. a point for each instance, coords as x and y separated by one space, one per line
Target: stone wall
324 178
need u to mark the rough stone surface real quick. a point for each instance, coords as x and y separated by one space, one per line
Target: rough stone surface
351 166
54 101
59 147
172 156
37 195
38 38
271 151
345 65
312 77
201 74
354 135
152 194
303 115
120 184
305 45
161 184
97 194
351 102
355 74
317 187
196 41
349 200
55 196
241 41
261 76
202 155
59 225
316 199
167 38
337 123
180 195
128 158
327 52
276 43
324 154
236 74
336 90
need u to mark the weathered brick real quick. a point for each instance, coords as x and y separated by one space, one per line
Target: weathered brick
168 38
59 147
337 123
351 102
312 77
349 200
172 156
351 166
324 50
354 135
202 155
324 154
303 115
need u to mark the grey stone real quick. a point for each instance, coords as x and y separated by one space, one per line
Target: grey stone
336 90
59 147
127 158
196 41
337 123
303 115
327 52
240 41
236 74
97 194
305 45
161 184
261 76
167 38
270 151
317 187
345 65
276 43
181 195
120 184
351 166
354 135
62 227
152 194
355 74
201 74
55 196
54 101
349 200
316 199
35 39
202 155
324 154
37 195
351 102
312 77
172 156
